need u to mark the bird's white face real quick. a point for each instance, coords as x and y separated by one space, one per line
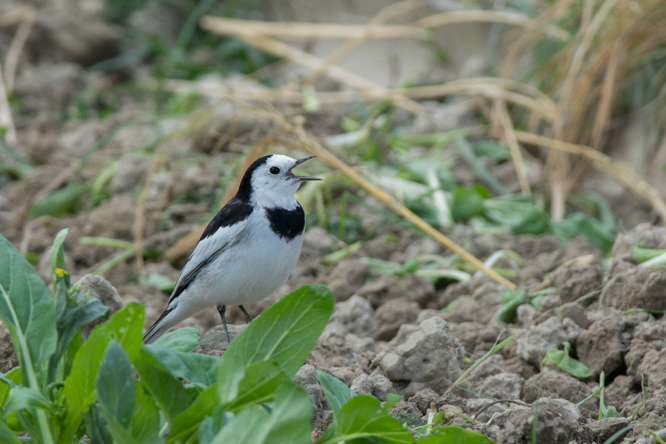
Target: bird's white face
275 185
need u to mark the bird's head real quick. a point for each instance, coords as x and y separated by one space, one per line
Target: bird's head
270 181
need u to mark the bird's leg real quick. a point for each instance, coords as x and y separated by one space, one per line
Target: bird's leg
249 319
222 309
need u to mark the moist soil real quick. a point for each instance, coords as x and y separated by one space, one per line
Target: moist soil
389 334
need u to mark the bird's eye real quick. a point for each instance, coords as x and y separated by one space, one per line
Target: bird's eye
274 170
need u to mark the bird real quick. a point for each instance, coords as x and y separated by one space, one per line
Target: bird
247 251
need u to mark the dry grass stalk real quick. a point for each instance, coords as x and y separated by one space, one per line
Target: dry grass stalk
511 140
489 87
300 30
16 47
334 72
6 118
605 164
350 45
475 16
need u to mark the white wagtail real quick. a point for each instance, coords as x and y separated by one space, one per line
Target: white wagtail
247 251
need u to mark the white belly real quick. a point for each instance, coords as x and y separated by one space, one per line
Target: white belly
250 271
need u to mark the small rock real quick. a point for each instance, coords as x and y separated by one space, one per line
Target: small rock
577 281
557 383
352 316
478 338
214 342
644 235
347 277
603 429
551 427
424 398
306 377
638 287
476 404
390 316
99 288
410 287
502 386
533 345
526 314
407 413
575 312
430 355
377 385
317 242
8 359
603 345
654 368
551 301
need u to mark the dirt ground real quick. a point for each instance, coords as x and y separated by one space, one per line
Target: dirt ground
388 334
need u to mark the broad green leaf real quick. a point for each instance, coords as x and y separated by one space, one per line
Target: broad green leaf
28 310
22 398
258 385
125 327
145 425
115 385
479 168
6 434
289 420
167 391
468 202
188 421
518 213
211 426
14 375
358 418
337 393
196 368
570 365
182 339
118 431
96 426
284 334
57 203
454 435
251 426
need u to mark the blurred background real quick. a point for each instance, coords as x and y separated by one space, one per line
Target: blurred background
497 123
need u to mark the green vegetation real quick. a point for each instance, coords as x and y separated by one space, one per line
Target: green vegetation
67 387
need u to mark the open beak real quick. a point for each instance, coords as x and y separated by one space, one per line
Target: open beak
301 178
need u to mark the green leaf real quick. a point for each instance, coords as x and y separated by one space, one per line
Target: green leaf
337 393
358 418
518 213
167 391
6 434
158 281
645 254
125 327
284 334
512 300
258 385
211 426
182 339
454 435
22 398
145 425
189 420
580 224
289 420
28 310
468 202
565 362
115 384
57 253
95 425
486 176
12 376
196 368
57 203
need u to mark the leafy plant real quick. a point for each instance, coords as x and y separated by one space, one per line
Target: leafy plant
561 359
66 389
